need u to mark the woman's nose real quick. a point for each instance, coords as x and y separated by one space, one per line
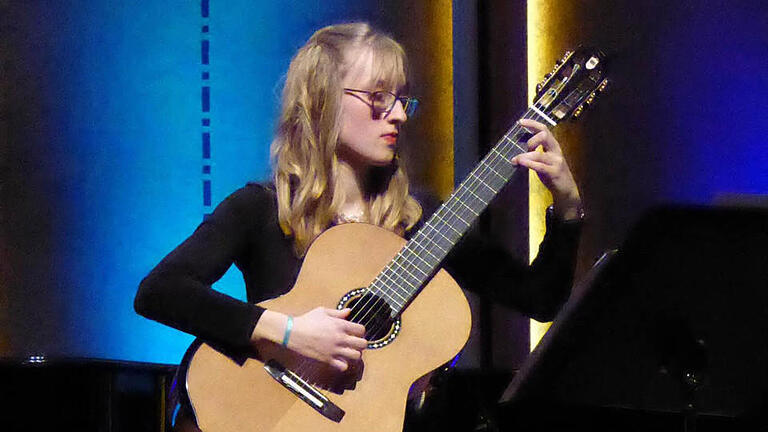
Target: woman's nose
398 113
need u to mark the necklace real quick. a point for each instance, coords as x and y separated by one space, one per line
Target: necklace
355 217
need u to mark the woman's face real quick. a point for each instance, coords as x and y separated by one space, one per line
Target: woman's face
365 140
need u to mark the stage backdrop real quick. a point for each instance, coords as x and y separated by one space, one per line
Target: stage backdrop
683 120
123 124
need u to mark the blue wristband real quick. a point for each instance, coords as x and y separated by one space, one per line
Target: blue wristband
288 328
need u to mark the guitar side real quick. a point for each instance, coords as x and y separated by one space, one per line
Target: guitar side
226 396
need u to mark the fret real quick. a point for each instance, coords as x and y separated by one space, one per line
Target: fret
382 281
396 280
410 248
392 276
438 232
424 249
399 284
485 194
405 269
445 223
472 174
393 304
414 254
448 208
503 156
494 171
514 143
471 210
474 194
426 227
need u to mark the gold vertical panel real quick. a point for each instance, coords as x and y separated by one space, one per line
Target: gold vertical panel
440 33
553 26
427 34
539 197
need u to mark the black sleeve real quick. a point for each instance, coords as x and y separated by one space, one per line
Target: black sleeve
177 292
479 263
537 290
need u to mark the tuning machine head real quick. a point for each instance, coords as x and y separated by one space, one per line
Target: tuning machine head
577 112
540 85
599 89
590 99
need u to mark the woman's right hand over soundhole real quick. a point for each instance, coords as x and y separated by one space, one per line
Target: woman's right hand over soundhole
321 334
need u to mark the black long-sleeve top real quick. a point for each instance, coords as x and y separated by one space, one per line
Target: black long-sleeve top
244 230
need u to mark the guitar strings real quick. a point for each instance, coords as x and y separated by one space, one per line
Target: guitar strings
493 164
497 160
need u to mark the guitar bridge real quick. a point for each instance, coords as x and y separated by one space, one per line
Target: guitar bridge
304 391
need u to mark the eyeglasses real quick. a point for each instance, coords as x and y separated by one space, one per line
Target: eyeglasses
382 102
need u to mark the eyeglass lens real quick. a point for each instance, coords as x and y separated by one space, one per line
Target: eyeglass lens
384 102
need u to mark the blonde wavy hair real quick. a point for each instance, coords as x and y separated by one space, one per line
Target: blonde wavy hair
304 149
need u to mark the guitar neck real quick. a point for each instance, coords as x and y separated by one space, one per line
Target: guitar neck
407 273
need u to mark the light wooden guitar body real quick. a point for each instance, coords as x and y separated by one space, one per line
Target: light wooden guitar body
227 397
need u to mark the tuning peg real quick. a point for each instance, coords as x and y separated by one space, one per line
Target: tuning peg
577 112
602 85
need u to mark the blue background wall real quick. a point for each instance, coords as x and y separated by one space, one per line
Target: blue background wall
101 162
106 134
681 122
713 80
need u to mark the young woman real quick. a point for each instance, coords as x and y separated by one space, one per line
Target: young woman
335 155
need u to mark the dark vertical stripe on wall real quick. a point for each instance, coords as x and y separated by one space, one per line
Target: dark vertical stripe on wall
465 88
501 62
205 102
206 99
204 47
207 193
206 145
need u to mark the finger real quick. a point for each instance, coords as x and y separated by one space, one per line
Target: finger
539 167
546 158
349 354
339 364
532 125
343 313
354 329
540 132
547 141
540 139
356 343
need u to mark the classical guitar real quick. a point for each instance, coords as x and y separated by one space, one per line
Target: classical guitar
416 316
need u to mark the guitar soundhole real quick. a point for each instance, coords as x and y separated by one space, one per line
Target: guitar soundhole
374 313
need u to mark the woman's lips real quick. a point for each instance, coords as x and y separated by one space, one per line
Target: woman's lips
390 138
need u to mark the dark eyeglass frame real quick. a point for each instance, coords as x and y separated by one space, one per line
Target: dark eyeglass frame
409 103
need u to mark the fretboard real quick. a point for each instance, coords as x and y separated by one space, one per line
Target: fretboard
416 263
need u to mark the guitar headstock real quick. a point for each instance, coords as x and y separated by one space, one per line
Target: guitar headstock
572 85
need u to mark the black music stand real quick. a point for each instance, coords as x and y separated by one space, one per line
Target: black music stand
671 333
